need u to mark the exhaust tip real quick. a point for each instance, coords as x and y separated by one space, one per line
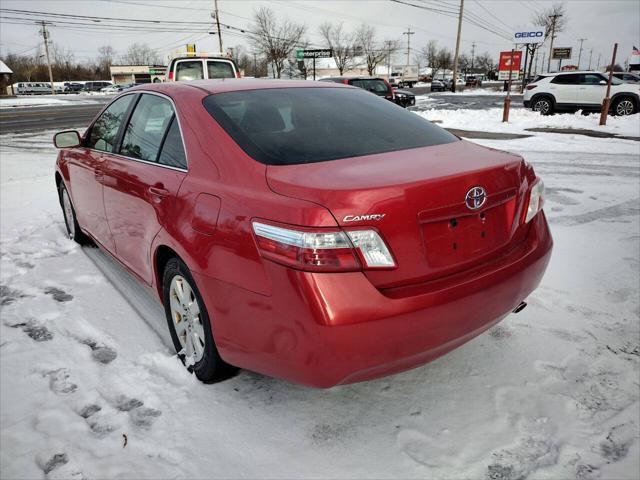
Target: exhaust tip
521 306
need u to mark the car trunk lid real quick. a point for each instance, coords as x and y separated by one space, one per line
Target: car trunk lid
416 199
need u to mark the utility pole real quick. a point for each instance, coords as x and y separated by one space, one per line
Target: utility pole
45 38
473 54
455 58
607 99
408 33
581 40
542 64
599 58
590 56
553 18
217 17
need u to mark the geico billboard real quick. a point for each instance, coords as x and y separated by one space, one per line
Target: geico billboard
532 35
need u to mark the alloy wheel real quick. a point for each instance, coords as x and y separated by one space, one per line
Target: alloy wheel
67 209
187 320
542 106
624 107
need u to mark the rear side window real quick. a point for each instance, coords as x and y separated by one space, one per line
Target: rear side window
288 126
374 86
571 79
172 149
146 128
220 70
189 70
105 130
592 79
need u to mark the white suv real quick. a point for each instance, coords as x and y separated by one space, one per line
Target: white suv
184 67
571 91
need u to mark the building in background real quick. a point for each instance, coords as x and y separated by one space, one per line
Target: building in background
121 74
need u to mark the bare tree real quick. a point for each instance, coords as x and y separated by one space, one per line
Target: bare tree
140 54
341 43
275 39
556 13
485 62
373 52
437 58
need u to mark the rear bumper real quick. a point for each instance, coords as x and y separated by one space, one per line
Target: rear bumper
328 329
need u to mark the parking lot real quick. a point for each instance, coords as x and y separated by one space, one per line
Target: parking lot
551 392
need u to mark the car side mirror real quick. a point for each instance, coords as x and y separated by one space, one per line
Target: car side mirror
602 82
67 139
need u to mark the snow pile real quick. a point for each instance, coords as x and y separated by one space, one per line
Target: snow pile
43 100
520 119
90 389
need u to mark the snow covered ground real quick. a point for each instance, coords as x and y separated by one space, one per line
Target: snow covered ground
552 392
42 100
490 120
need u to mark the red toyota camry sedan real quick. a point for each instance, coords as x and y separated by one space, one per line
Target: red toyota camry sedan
308 231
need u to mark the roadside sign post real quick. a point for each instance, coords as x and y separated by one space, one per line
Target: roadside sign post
301 54
560 54
507 99
607 100
532 38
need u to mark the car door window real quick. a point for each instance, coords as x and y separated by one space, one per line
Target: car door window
105 130
591 79
220 70
172 153
189 70
145 131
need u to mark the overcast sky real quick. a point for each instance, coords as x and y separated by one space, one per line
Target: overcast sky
601 22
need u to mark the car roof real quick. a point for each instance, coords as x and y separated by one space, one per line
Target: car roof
224 85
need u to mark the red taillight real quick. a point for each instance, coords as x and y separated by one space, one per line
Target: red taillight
531 87
170 75
313 250
238 74
390 94
322 249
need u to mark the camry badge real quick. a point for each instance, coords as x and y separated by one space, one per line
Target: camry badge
359 218
476 198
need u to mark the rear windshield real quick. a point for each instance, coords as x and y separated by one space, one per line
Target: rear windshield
292 126
371 84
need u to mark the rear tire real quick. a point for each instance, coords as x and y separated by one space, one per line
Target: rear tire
189 324
543 104
624 106
74 232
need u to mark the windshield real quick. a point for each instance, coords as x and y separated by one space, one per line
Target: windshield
288 126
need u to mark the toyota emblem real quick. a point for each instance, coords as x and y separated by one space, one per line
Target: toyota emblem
476 198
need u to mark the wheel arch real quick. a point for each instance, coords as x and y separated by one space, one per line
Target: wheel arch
631 95
163 253
543 94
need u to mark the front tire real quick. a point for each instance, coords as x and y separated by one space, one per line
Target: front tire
70 221
624 106
189 324
544 105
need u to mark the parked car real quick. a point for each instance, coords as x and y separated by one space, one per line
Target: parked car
113 89
473 81
32 88
572 91
437 86
95 86
627 77
377 86
72 87
404 98
307 231
201 66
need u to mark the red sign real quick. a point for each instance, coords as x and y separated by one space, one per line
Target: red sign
506 61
